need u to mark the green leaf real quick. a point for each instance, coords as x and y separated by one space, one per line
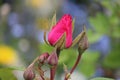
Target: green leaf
16 68
112 60
45 48
101 78
116 32
101 23
66 55
107 4
6 74
92 39
88 62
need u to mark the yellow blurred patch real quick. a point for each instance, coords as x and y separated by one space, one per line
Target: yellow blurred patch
7 55
46 23
43 23
36 3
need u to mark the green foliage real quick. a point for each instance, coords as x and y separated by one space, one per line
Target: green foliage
6 74
45 48
90 35
68 57
101 23
113 59
108 23
65 55
100 78
0 2
88 63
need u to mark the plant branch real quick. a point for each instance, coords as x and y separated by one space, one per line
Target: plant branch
52 72
75 65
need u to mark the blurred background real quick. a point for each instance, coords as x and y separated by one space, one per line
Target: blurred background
22 23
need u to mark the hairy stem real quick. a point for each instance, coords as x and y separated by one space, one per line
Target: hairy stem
53 68
52 72
75 65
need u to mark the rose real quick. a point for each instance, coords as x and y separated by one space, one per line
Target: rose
63 26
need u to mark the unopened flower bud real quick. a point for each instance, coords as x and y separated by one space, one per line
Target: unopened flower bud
83 44
43 57
64 25
29 74
53 59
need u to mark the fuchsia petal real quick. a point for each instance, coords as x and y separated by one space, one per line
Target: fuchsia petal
63 26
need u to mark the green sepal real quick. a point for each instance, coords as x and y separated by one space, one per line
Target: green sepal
61 42
78 38
45 38
53 22
73 23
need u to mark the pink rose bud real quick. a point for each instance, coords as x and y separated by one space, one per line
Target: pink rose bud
43 57
53 59
29 74
64 25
